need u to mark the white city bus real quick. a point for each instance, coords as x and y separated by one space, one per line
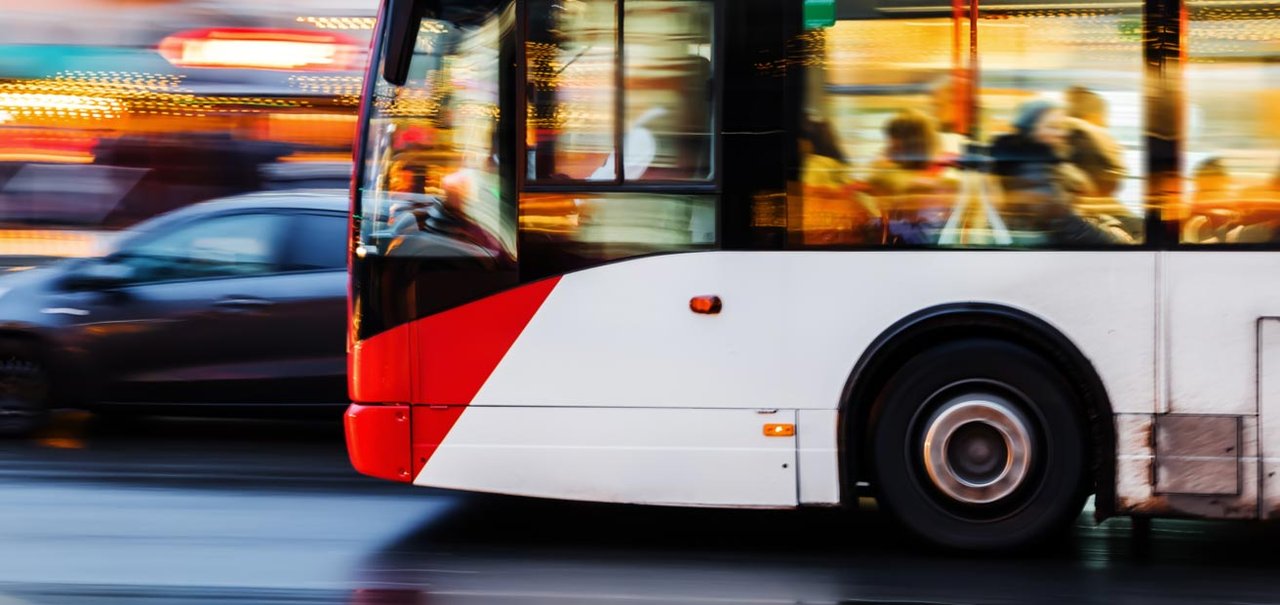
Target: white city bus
978 261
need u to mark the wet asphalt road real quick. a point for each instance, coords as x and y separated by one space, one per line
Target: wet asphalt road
186 511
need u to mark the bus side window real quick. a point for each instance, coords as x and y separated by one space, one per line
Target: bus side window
1014 149
669 80
666 88
570 59
1231 166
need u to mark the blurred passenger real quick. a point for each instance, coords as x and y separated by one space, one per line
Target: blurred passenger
1089 145
910 183
911 160
834 211
1221 212
1210 216
1268 189
1212 181
1032 159
1084 104
404 178
1039 184
912 140
823 163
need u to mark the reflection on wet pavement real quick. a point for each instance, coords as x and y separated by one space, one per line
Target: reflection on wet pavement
187 511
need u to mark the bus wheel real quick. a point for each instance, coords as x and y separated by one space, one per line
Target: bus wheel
24 390
979 445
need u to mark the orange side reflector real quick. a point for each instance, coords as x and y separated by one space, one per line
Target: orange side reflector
779 430
707 305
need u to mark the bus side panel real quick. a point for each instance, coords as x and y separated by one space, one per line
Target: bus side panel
1215 302
818 456
1220 346
793 324
694 457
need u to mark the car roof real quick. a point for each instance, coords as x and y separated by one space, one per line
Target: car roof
325 200
332 200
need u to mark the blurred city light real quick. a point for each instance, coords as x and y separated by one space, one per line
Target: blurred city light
260 49
133 109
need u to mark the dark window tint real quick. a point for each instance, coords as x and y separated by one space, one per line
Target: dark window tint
218 246
317 242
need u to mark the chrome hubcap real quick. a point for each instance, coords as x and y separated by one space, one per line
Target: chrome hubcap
977 448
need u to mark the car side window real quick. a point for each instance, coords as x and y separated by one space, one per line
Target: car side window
219 246
316 242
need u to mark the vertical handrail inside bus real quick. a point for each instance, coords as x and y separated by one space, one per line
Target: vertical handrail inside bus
964 75
959 79
971 98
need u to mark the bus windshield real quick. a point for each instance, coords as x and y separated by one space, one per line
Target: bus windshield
431 185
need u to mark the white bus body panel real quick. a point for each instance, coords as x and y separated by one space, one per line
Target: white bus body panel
616 391
1215 300
699 457
794 324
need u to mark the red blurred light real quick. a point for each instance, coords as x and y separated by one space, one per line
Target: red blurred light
261 48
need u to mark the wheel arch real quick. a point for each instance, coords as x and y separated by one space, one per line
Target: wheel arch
929 327
61 370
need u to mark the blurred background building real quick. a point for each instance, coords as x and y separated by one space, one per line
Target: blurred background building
112 111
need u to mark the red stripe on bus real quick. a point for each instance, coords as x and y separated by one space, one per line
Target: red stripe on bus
376 368
461 347
456 352
378 440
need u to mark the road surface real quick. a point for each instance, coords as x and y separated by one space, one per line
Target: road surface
190 511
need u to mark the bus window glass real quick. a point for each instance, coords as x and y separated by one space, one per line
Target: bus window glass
570 55
572 114
1061 92
668 89
905 142
1232 158
569 231
431 186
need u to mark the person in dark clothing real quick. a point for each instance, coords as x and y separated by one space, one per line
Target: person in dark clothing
1039 183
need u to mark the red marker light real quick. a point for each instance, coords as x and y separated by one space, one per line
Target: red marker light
707 305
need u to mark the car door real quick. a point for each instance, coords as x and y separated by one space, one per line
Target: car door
312 310
199 317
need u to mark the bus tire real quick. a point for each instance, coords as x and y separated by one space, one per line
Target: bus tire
979 445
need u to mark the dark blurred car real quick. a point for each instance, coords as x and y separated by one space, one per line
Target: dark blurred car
228 305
